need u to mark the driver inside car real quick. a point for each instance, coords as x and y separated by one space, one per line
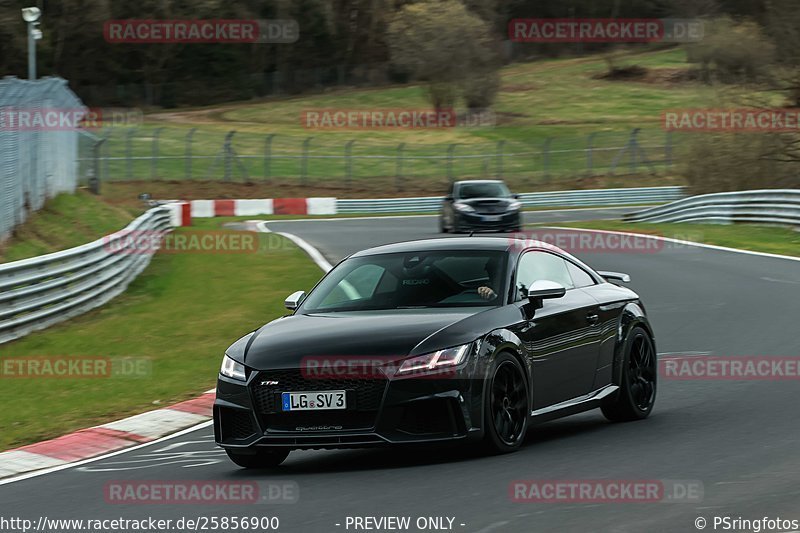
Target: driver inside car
485 291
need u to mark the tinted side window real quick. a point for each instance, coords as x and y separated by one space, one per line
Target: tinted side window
535 266
579 276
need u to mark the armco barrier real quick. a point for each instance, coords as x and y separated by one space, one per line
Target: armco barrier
588 198
768 206
41 291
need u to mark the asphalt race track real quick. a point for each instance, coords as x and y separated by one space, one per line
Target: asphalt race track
738 438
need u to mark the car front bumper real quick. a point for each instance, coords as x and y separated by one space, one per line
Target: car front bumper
480 221
380 412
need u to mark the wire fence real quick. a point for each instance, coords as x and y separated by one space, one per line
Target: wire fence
160 153
35 163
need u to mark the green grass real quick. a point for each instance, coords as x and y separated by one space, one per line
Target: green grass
562 100
769 239
66 221
179 315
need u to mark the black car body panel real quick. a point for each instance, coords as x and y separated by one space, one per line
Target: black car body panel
570 349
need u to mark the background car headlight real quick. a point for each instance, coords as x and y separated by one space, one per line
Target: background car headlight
515 206
232 369
420 364
463 207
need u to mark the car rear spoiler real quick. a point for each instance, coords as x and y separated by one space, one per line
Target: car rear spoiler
615 276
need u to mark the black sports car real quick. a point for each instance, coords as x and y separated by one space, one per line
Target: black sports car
460 339
480 205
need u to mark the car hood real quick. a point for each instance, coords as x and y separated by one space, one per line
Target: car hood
284 342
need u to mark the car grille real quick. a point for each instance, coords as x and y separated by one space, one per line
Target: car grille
364 398
490 208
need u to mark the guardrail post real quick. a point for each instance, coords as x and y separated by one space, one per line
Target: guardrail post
228 154
94 169
268 158
189 152
304 162
154 154
105 155
129 153
399 167
668 149
499 159
348 162
546 158
450 150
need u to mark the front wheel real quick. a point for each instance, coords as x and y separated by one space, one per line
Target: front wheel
637 393
263 458
506 406
442 227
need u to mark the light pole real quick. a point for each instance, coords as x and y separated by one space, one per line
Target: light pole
31 15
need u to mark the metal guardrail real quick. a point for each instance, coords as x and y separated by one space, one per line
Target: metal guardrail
41 291
768 206
626 196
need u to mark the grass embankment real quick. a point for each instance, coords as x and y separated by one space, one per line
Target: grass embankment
179 315
65 221
565 100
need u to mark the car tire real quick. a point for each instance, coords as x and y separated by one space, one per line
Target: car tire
456 225
637 392
263 458
506 406
442 227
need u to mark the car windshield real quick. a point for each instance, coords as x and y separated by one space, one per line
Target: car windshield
483 190
414 280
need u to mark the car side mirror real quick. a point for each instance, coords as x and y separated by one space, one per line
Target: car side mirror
544 290
448 198
515 196
294 300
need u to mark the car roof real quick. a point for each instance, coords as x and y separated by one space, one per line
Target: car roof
499 244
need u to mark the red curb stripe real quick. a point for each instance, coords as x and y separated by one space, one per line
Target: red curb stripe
224 208
201 405
289 206
84 444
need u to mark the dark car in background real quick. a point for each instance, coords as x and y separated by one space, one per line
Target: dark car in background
442 340
481 205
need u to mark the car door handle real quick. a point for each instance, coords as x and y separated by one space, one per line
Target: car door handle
592 318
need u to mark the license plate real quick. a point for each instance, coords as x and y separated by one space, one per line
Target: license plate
491 218
314 400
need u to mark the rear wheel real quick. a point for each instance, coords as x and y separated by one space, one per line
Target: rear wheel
506 406
263 458
637 393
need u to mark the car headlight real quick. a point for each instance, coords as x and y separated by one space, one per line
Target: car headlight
232 369
514 206
449 358
466 208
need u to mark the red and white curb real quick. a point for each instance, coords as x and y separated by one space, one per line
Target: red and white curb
266 206
106 438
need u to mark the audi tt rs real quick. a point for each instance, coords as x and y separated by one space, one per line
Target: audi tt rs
471 339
